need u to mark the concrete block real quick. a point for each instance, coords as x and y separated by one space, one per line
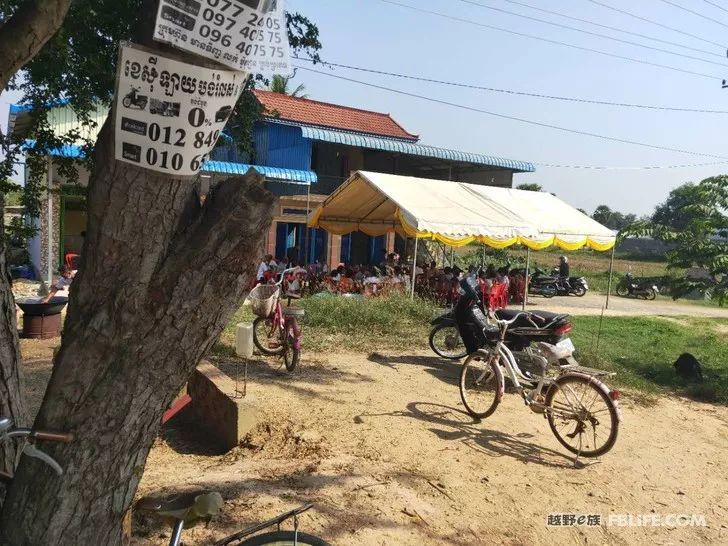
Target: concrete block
226 418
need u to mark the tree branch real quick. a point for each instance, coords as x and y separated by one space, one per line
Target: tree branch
26 32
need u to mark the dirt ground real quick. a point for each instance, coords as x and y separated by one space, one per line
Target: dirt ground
381 445
592 304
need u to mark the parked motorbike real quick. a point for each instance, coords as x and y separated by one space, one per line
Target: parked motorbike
576 286
636 288
134 100
544 285
522 338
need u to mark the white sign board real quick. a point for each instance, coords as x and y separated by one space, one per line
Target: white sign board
170 114
247 35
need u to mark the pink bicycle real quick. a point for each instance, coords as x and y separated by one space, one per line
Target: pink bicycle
276 331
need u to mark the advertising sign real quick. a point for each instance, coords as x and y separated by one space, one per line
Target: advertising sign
247 35
170 114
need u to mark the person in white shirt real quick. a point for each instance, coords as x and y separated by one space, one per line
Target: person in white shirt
263 268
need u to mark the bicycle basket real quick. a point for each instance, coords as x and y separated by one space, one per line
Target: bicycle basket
263 299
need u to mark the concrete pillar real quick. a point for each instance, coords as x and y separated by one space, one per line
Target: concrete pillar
334 251
270 243
390 242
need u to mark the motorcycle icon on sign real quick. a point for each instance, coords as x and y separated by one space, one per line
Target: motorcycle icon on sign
134 100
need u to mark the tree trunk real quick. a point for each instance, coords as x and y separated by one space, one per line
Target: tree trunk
160 277
11 398
21 38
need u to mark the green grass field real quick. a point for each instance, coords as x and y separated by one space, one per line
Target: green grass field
640 349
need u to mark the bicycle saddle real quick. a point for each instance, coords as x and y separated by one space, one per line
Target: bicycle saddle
190 507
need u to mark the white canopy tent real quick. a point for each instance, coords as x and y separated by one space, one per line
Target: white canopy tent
457 214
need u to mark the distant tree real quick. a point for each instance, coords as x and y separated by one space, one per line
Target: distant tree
698 230
676 211
583 211
279 84
530 187
612 218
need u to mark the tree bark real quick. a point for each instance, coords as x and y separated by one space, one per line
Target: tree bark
21 38
26 32
160 277
11 397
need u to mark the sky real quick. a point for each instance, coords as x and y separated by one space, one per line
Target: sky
379 35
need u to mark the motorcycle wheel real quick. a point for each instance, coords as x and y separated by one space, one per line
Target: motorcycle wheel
579 291
126 102
549 291
446 343
622 291
650 294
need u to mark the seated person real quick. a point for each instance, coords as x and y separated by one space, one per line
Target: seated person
62 285
346 283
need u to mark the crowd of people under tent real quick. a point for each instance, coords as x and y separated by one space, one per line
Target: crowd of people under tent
500 286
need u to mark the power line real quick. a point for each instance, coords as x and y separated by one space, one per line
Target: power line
512 92
640 168
598 35
678 6
581 48
646 20
514 118
716 5
615 29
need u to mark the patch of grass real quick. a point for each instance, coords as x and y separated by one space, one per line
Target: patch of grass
642 351
354 324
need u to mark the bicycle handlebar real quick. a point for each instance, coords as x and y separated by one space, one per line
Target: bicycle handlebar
30 448
65 438
286 271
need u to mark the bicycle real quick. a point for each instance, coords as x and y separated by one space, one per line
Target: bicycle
276 331
8 430
482 386
187 509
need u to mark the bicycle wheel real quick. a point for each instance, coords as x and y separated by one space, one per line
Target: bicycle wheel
582 416
446 343
291 350
284 538
481 384
266 337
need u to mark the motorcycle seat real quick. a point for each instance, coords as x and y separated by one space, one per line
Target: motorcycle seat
541 318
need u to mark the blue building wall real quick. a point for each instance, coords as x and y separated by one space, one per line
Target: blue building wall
282 146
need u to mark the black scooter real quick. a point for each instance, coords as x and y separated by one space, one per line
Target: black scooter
134 100
446 342
575 286
636 288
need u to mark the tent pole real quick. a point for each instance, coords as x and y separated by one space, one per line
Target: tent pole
611 271
525 285
452 256
482 259
414 269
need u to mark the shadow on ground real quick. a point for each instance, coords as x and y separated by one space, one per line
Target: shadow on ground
456 425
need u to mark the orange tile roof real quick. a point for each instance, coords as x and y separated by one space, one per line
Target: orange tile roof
324 114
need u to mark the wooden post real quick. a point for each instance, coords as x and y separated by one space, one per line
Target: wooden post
525 285
611 271
414 269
